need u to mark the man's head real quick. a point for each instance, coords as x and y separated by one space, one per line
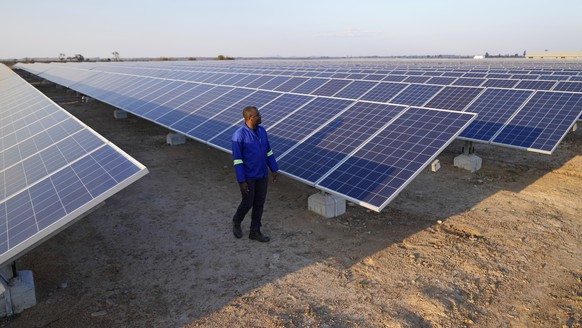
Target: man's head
252 116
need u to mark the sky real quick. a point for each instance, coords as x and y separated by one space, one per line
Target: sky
291 28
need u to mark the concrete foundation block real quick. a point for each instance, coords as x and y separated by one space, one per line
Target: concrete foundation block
471 162
119 114
326 205
174 138
21 293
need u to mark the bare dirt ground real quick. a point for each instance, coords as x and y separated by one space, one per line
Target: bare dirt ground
496 248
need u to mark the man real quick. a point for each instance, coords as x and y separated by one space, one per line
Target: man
252 158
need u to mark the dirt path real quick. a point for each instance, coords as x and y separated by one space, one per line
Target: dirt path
501 247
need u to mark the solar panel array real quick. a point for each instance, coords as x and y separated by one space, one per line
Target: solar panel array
53 168
300 100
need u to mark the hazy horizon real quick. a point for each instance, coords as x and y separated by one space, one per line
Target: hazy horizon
261 28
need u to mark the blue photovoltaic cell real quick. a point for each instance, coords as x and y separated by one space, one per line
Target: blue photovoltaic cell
498 76
441 80
188 121
356 76
525 76
543 121
458 74
291 84
274 83
395 78
553 77
478 75
211 109
473 82
162 98
310 117
569 86
279 108
378 171
318 154
493 108
270 113
173 110
500 83
416 94
137 84
310 85
355 90
416 79
246 80
260 81
330 88
159 95
212 130
234 79
535 85
374 77
148 87
454 98
383 92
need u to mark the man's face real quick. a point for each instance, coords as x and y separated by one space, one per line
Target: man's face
256 117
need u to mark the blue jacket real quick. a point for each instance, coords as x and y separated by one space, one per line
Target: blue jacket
252 153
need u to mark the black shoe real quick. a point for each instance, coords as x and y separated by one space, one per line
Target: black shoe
257 235
236 230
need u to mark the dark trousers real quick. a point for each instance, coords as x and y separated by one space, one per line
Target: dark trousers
254 199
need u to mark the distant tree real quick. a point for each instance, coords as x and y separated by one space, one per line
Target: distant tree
220 57
524 53
191 58
115 56
79 58
62 57
486 55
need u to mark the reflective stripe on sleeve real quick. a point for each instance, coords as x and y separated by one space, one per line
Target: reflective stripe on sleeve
270 153
238 161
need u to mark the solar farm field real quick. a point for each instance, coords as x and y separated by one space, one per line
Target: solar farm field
499 247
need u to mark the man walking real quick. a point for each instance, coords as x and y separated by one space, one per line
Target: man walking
253 157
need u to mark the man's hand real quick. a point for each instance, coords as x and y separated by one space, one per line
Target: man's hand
275 176
244 187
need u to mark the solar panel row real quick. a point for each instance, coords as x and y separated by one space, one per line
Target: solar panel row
451 97
211 112
52 167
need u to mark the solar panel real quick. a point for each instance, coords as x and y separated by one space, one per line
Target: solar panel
310 117
291 84
330 88
569 86
377 172
416 94
309 86
441 80
493 108
213 130
190 104
318 154
535 85
211 109
454 98
500 83
355 90
543 122
53 168
384 91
